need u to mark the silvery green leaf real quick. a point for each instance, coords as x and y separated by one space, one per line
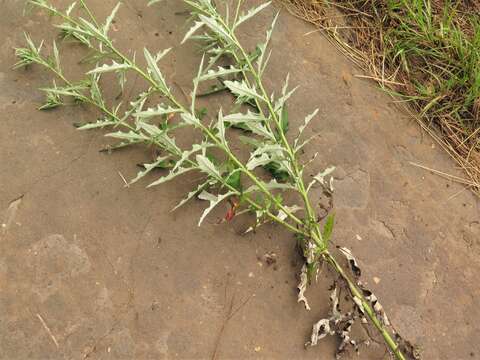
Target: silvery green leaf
136 105
261 63
161 54
300 146
251 13
221 127
63 91
274 150
191 194
98 124
110 18
259 129
240 118
168 143
155 71
190 119
151 2
92 30
148 168
114 66
75 32
130 136
187 153
150 129
122 79
216 27
241 89
272 185
213 74
171 175
70 8
95 91
281 101
193 29
308 118
292 209
157 111
56 56
257 161
207 166
214 201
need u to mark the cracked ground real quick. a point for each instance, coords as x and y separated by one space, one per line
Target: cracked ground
91 269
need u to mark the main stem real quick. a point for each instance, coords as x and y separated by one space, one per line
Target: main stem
356 292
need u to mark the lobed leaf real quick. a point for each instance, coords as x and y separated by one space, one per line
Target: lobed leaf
251 13
214 201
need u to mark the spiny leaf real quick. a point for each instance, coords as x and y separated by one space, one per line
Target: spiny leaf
191 194
171 175
130 136
307 120
214 201
215 27
190 119
101 123
221 127
240 118
207 166
251 13
149 168
242 90
155 71
193 29
213 74
114 66
110 18
157 111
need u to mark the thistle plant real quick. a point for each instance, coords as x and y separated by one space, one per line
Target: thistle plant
258 118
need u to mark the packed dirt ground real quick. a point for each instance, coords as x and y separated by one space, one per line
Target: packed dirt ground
91 269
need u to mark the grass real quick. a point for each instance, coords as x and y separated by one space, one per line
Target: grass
424 52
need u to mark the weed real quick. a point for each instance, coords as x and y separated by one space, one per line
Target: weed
226 178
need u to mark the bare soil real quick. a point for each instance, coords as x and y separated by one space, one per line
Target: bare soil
90 269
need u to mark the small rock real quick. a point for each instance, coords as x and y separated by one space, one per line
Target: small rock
376 279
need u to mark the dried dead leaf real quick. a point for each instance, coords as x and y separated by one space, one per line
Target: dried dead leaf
351 261
302 286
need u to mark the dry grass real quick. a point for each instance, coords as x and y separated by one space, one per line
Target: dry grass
426 53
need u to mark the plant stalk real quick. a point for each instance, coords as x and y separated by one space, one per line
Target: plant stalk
356 292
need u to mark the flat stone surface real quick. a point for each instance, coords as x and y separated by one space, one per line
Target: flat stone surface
90 269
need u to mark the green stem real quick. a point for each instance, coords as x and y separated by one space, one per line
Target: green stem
356 292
